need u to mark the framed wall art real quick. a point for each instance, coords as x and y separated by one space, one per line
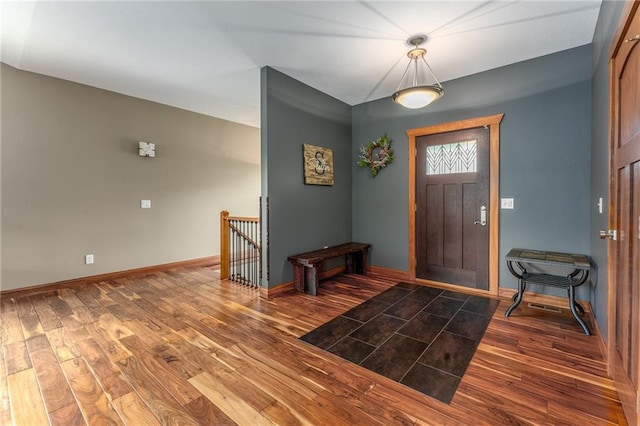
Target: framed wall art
318 165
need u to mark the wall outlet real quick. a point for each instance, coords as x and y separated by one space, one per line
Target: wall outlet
88 259
145 204
506 203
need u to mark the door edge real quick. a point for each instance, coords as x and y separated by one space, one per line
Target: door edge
628 392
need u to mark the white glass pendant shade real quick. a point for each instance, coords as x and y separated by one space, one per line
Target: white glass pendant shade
418 96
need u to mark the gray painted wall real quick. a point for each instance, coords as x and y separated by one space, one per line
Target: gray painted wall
544 163
72 180
302 217
608 19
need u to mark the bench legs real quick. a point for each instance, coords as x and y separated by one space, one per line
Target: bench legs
517 298
311 280
298 277
357 262
572 306
305 279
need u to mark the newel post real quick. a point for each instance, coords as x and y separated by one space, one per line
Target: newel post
224 245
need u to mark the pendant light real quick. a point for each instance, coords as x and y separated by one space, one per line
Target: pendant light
415 93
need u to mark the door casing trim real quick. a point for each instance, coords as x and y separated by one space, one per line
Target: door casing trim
493 122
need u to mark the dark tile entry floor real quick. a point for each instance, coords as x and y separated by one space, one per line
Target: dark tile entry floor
422 337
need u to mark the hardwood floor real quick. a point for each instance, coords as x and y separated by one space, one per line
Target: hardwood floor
181 347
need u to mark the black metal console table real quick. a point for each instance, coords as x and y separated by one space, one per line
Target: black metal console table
518 259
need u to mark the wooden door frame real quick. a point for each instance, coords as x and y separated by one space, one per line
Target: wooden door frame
493 122
626 390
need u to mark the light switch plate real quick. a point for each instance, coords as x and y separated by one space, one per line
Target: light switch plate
145 204
506 203
146 149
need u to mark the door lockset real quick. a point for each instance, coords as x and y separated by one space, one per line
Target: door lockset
611 234
483 217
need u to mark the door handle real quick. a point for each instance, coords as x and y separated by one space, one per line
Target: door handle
634 38
609 233
483 217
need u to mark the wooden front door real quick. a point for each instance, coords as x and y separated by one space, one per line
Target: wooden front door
452 207
624 217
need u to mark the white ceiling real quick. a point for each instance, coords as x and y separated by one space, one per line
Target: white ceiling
206 56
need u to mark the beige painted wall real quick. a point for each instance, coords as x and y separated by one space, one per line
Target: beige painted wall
72 180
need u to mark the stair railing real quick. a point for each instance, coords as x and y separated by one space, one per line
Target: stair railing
240 249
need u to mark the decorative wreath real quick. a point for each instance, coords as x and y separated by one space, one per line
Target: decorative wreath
376 155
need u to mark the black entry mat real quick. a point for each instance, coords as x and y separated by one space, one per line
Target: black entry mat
422 337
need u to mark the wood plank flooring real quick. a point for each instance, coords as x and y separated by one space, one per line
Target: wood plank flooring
181 347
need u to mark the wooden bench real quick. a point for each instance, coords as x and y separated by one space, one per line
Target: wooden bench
305 265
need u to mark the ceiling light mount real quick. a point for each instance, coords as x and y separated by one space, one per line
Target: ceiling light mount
411 91
417 40
416 53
